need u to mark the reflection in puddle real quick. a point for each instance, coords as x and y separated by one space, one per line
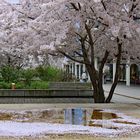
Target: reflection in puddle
98 118
75 116
79 116
100 115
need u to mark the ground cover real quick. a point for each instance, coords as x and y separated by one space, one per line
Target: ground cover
67 123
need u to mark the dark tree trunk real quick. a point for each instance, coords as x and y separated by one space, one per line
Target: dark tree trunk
116 73
97 80
99 96
98 91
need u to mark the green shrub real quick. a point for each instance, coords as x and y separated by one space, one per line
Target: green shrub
54 74
30 78
5 85
42 73
28 75
38 85
49 73
9 74
20 85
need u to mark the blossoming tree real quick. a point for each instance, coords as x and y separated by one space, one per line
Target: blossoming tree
16 40
107 29
82 30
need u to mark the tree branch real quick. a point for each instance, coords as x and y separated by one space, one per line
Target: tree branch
75 7
72 58
91 43
104 6
99 19
78 53
134 5
103 61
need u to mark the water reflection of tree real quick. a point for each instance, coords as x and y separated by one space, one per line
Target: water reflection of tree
102 115
83 117
75 116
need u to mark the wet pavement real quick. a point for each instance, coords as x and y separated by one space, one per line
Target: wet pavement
106 116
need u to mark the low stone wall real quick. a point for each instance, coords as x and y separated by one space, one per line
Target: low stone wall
46 96
46 93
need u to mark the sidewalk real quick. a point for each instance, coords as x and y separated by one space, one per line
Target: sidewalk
130 94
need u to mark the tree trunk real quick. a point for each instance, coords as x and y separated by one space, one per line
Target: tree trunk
97 79
116 73
98 87
99 95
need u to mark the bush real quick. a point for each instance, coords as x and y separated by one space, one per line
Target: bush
54 74
30 78
38 85
28 75
9 74
20 85
42 73
49 73
5 85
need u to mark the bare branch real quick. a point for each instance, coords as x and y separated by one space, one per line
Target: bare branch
74 6
78 53
99 19
134 6
71 58
104 6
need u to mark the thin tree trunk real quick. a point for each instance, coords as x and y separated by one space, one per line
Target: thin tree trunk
116 73
98 88
100 82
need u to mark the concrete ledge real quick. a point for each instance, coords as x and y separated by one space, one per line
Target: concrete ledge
46 93
44 101
70 85
45 96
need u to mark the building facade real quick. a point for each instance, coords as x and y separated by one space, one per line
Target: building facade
129 73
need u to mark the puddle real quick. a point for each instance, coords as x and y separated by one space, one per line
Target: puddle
78 116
